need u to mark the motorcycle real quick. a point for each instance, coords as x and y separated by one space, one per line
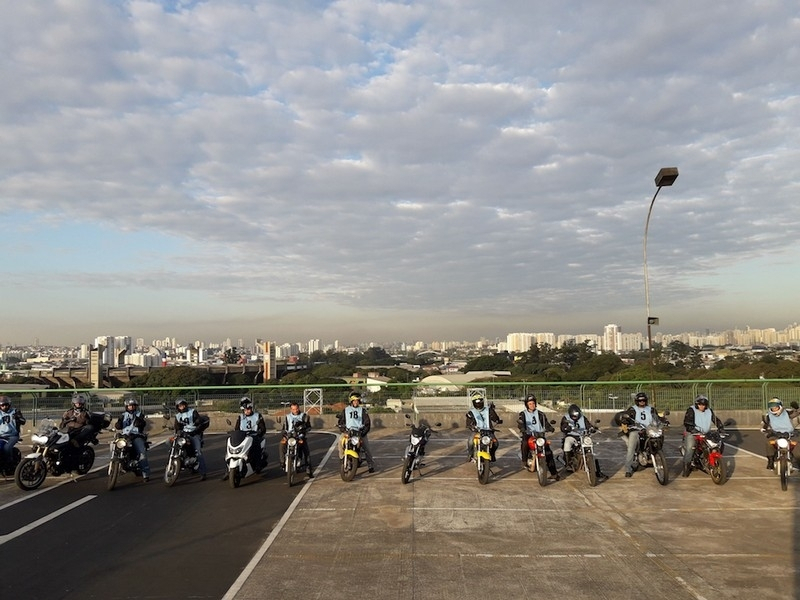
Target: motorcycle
651 448
124 458
417 439
482 441
784 447
7 467
181 451
237 456
581 457
707 455
537 462
351 454
294 459
54 452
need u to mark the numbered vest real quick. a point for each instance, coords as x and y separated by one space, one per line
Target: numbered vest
702 419
533 422
354 417
249 423
128 422
187 420
482 420
8 424
781 423
291 419
644 415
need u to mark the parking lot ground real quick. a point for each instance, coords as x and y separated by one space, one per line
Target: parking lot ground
446 536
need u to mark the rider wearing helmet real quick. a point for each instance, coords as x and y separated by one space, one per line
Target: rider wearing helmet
777 420
132 423
11 422
76 420
640 414
300 422
189 420
533 423
251 422
356 416
481 417
572 424
699 418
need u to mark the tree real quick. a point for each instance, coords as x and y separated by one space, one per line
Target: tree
498 362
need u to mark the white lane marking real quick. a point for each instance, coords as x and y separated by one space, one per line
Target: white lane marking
248 570
22 530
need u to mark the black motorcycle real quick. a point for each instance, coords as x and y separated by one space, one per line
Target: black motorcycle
55 453
415 449
124 458
582 457
182 457
650 450
294 461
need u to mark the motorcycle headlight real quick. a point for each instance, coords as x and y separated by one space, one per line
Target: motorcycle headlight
540 442
587 442
415 439
355 440
39 439
120 443
291 442
486 440
654 432
783 443
181 441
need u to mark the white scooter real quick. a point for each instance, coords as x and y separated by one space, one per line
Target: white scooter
237 454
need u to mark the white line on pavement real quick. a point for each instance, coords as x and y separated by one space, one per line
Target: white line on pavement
22 530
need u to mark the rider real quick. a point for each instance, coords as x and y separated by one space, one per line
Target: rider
300 421
574 422
639 414
355 416
132 423
699 418
76 420
251 422
534 423
188 420
11 422
776 420
481 417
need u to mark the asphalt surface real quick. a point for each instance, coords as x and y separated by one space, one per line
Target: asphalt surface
443 535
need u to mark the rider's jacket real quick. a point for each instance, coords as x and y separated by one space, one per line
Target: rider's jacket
781 423
569 425
354 417
75 418
10 422
251 424
131 423
292 421
187 420
703 421
533 422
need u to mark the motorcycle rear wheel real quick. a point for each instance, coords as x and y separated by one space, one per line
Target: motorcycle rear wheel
541 471
719 472
783 471
660 467
483 471
113 473
408 466
591 470
349 467
85 460
172 471
30 474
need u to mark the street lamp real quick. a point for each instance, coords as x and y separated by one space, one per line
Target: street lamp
666 177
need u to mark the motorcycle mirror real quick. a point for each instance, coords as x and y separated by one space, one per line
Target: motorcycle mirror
439 424
228 421
729 422
408 416
552 422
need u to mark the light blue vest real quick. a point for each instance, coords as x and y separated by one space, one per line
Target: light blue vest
298 418
128 418
781 423
8 424
532 423
187 419
354 417
482 420
702 419
644 415
249 423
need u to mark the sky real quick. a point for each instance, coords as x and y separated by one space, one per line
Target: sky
373 171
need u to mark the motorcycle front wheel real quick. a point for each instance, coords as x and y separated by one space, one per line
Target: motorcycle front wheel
349 467
783 471
85 460
408 466
660 467
172 471
30 474
291 471
541 471
719 472
483 471
591 469
113 473
235 477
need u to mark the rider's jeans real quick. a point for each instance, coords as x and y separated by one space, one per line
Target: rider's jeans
197 444
569 442
632 440
11 441
141 450
688 447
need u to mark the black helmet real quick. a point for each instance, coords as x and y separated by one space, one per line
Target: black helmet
574 412
477 400
131 402
180 401
701 400
245 403
530 398
640 397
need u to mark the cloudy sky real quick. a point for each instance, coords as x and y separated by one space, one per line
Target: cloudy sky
372 171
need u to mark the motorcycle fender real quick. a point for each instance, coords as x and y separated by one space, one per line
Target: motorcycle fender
713 458
351 453
235 464
485 455
32 455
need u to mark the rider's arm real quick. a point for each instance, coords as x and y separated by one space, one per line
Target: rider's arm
547 426
688 419
566 426
366 423
19 418
471 421
261 426
493 417
340 421
521 422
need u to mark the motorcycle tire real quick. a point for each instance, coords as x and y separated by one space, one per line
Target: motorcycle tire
113 473
349 468
660 467
30 474
291 471
172 471
408 466
235 478
541 471
591 470
783 471
85 460
483 471
719 472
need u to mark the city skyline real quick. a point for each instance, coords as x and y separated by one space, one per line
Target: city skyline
409 171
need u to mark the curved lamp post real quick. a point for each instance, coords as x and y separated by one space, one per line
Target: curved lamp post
666 177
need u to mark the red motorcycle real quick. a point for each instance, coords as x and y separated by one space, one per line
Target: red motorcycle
707 455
